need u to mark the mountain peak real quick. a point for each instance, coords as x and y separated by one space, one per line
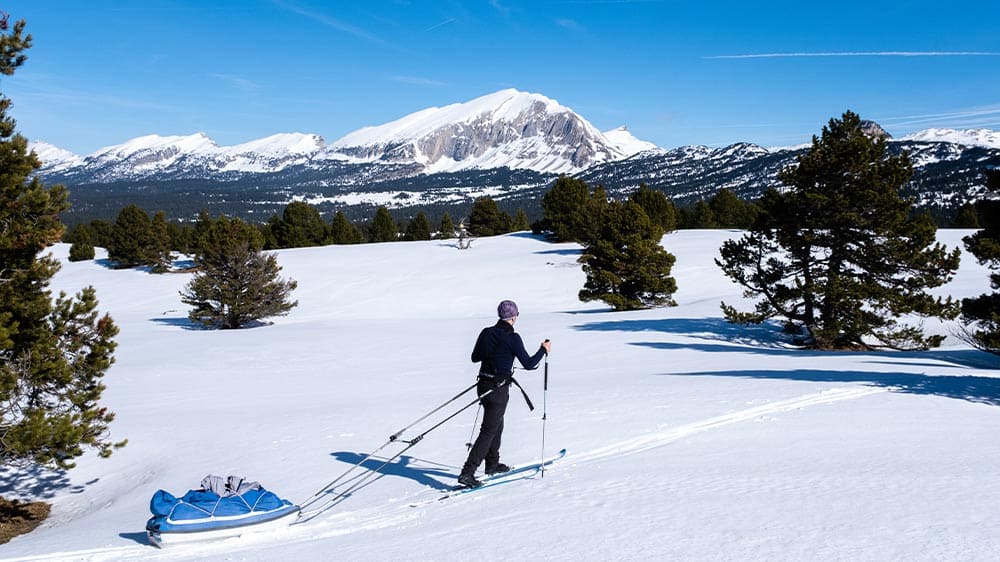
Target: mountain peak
626 142
508 128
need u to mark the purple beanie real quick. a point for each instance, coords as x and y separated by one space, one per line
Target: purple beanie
507 310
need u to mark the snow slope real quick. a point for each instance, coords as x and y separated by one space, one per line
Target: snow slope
985 138
688 438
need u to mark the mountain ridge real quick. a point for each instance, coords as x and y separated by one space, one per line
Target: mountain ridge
508 145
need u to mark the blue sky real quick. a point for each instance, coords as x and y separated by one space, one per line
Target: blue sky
676 73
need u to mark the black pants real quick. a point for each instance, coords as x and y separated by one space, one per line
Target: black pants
487 445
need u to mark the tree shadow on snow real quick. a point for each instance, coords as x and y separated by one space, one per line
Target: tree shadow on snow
32 482
179 321
980 390
767 334
561 252
420 471
770 339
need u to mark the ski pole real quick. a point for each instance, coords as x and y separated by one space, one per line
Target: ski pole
468 445
365 480
392 438
545 400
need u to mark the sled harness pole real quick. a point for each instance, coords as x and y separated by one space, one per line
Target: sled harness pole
367 478
545 400
392 438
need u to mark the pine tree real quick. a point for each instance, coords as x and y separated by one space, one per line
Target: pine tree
839 256
447 228
967 217
729 211
300 226
521 222
159 252
81 251
82 239
566 209
625 265
383 227
236 283
486 218
343 231
981 315
53 355
657 207
132 242
419 228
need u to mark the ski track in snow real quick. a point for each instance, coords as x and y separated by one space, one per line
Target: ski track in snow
401 510
657 439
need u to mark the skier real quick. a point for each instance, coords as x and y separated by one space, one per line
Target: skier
495 350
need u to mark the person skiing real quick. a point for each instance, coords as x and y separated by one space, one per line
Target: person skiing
495 350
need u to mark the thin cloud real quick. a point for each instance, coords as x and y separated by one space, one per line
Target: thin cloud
76 98
504 10
238 82
332 23
860 54
569 24
442 24
979 117
417 81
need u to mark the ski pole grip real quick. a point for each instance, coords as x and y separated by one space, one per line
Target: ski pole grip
546 371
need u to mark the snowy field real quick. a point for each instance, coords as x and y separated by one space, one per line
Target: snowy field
688 438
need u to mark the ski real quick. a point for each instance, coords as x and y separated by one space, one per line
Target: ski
514 474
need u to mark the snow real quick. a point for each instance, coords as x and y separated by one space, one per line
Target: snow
504 105
53 157
281 144
969 137
196 143
688 438
624 141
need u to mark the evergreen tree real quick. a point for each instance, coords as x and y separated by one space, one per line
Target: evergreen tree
729 211
486 218
703 216
967 217
981 315
383 227
566 209
625 265
419 228
343 231
200 231
236 283
300 226
159 233
839 255
657 207
103 232
521 222
81 251
53 354
447 228
132 242
82 239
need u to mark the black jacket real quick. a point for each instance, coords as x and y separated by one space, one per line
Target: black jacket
496 348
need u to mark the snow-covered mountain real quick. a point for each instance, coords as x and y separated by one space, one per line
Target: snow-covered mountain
625 142
506 129
54 158
507 145
984 138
